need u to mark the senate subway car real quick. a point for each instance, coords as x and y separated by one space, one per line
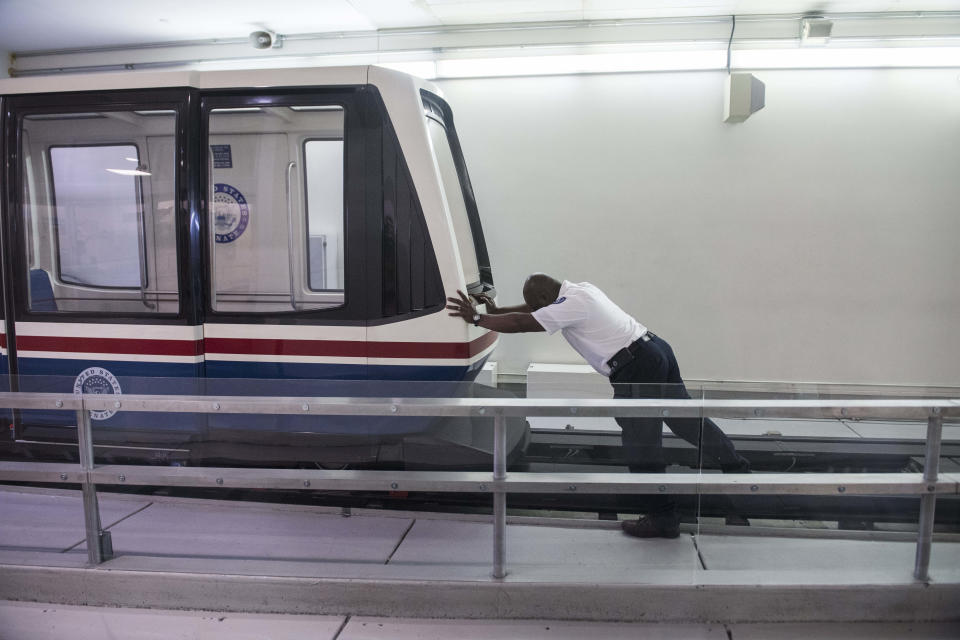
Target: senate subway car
273 232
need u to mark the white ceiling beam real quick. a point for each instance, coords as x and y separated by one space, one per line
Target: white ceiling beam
437 43
186 54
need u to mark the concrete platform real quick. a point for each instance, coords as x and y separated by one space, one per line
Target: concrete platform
36 621
377 629
54 522
253 532
538 554
41 621
861 631
827 559
260 558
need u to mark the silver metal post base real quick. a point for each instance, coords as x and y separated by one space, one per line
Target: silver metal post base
928 503
99 543
499 534
499 497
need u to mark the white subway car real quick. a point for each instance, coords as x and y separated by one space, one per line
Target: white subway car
264 232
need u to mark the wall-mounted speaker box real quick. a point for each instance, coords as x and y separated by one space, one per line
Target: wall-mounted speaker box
743 96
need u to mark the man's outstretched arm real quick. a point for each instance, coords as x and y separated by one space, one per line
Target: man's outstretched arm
509 322
492 307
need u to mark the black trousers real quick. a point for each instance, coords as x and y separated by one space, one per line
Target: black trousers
654 373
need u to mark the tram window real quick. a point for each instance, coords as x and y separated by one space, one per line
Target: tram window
454 192
323 166
99 213
95 193
277 215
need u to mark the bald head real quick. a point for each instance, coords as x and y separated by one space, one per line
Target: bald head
539 290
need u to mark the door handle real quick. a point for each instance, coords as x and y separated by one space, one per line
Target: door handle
212 231
290 262
142 238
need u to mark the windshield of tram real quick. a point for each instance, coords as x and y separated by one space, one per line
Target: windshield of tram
453 188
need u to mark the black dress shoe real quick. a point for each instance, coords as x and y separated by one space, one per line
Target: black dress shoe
663 527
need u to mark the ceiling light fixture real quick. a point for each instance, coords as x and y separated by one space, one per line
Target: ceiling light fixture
667 57
848 58
129 172
697 60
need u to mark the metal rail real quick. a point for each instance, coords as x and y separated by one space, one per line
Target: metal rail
927 485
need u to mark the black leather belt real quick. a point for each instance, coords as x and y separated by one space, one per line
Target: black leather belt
626 355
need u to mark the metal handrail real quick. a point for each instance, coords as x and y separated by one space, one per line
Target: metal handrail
849 484
927 485
904 409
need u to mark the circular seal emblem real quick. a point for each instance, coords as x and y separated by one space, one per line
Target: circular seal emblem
97 380
230 212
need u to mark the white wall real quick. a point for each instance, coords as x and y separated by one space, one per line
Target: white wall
818 241
5 64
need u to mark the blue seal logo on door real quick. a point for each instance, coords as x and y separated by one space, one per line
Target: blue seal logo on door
97 380
230 212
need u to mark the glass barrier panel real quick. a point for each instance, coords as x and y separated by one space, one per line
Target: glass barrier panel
50 519
124 437
618 445
577 443
834 529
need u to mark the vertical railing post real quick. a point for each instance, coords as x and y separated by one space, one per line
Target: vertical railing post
928 501
99 545
499 495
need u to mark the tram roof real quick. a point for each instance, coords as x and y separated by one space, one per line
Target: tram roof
232 79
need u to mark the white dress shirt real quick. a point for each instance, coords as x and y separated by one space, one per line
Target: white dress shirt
593 325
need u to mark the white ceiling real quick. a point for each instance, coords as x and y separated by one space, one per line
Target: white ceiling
45 25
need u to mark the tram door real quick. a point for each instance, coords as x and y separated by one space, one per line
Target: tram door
97 245
284 255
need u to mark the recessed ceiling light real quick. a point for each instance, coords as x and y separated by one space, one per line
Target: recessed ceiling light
129 172
239 110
